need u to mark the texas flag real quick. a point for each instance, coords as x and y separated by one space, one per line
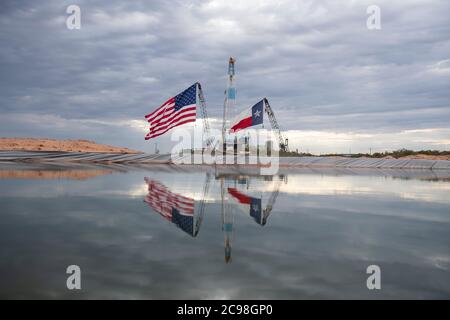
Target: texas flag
250 117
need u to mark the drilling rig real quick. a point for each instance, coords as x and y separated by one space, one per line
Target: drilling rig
230 105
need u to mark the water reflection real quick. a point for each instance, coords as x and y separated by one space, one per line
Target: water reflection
178 209
304 233
242 193
238 187
236 194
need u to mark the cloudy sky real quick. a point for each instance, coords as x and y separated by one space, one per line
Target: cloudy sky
334 84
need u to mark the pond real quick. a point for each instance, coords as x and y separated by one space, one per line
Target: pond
186 232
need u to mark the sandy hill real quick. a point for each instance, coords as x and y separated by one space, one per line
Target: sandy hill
32 144
427 157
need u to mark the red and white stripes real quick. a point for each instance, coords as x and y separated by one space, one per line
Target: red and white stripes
168 116
163 200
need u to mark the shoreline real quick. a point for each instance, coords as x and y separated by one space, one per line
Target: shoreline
240 161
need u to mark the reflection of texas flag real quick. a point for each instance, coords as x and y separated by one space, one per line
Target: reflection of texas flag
254 204
250 117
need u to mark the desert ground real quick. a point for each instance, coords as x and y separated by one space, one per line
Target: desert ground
33 144
37 144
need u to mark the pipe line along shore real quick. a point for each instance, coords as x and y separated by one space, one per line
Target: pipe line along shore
240 160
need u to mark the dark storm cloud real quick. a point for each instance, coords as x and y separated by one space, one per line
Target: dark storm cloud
315 60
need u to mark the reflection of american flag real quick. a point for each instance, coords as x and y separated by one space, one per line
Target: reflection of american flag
174 207
174 112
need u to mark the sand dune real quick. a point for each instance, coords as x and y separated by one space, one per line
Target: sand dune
427 157
32 144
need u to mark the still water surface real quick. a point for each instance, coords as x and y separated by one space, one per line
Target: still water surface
166 232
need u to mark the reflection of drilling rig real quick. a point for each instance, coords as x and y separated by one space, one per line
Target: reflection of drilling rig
227 210
265 212
227 223
187 214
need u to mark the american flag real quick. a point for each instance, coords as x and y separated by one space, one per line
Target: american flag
174 112
174 207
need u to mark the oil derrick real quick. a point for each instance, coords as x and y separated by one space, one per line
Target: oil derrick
229 107
229 103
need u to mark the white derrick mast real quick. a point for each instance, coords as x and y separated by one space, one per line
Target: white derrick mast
230 101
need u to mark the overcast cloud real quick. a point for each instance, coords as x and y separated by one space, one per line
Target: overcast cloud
334 84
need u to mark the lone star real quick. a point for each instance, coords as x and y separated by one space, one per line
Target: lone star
257 113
